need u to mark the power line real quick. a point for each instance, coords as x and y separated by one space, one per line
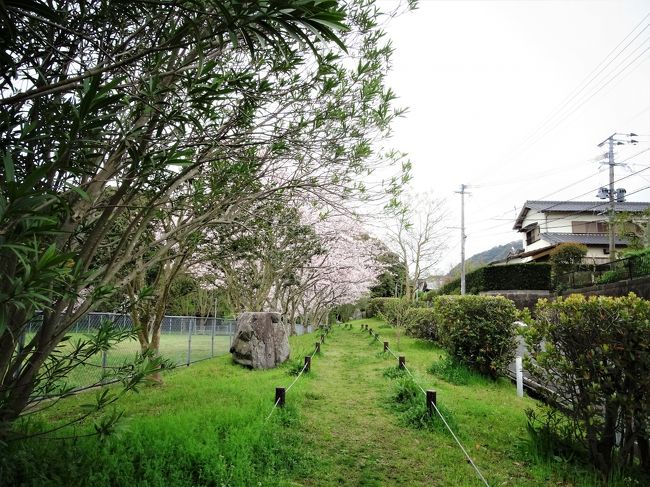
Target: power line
603 86
591 76
496 216
577 182
577 213
533 138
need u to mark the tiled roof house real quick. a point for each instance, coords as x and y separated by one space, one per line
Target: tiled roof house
546 224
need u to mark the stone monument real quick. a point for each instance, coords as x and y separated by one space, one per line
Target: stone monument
260 341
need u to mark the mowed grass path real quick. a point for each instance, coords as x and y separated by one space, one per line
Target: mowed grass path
356 438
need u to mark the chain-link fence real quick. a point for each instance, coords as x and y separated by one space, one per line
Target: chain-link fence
184 340
301 329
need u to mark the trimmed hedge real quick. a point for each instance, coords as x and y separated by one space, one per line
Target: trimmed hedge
596 354
502 277
421 323
478 331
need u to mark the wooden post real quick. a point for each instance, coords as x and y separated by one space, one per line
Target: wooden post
431 400
322 338
307 363
317 347
401 362
385 346
280 396
370 331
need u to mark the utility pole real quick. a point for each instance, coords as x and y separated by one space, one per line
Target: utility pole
611 141
462 193
612 201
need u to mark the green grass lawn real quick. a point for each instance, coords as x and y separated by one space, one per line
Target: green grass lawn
206 426
173 346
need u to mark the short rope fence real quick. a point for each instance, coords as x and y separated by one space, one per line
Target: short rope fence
430 398
280 392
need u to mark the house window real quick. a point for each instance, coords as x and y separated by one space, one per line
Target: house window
532 235
589 227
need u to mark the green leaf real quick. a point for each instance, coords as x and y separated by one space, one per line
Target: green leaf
10 175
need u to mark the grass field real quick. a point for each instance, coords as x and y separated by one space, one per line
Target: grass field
173 346
341 426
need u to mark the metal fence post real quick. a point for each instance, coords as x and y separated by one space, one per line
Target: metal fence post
189 342
519 370
214 324
104 363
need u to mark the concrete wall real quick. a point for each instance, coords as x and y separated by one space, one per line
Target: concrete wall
522 298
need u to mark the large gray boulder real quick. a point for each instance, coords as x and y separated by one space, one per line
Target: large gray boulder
260 342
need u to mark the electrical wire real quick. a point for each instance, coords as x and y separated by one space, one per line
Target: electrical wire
482 230
517 209
534 138
577 213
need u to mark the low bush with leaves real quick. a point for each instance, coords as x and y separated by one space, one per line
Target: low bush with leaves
478 331
566 259
376 306
421 323
595 353
609 276
395 311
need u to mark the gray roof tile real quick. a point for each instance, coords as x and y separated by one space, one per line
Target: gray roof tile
577 207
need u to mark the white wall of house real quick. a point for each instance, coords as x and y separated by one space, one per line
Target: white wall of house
558 222
540 244
596 255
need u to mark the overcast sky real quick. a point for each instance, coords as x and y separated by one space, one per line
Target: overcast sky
512 98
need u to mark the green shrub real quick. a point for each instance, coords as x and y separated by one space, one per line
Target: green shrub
608 276
395 310
502 277
596 354
454 372
478 331
566 258
408 401
421 323
376 306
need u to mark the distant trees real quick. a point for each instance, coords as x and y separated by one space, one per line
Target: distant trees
634 227
566 258
415 233
128 147
392 278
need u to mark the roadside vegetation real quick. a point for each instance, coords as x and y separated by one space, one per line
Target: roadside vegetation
354 420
